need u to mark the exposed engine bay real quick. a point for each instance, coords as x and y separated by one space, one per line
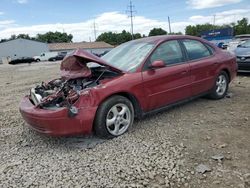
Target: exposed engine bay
63 92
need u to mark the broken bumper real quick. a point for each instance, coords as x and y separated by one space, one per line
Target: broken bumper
57 122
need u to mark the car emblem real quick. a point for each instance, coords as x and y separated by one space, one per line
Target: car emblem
243 58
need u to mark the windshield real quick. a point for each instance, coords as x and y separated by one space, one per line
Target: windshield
246 44
128 56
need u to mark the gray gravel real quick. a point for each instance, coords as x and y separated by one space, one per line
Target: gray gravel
162 150
126 161
143 157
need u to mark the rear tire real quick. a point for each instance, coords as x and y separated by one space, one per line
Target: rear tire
220 86
114 117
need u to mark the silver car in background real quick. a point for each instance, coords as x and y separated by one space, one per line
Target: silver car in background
242 53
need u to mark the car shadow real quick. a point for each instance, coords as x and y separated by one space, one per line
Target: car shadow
81 142
32 138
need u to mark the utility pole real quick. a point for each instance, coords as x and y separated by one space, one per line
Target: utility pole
95 30
214 26
131 12
169 25
214 20
63 30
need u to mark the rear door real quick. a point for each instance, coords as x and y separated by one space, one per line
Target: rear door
168 84
203 65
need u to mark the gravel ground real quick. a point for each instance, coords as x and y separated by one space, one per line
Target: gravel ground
162 150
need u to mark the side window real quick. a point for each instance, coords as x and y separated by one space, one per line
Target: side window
170 52
210 49
195 49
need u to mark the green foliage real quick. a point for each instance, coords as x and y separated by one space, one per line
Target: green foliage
49 37
54 37
124 36
117 38
178 33
12 37
197 29
23 36
157 31
241 27
137 36
3 40
108 37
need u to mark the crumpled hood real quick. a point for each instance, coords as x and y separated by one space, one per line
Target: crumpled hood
74 65
242 51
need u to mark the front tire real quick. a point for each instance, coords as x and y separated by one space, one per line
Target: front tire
220 87
114 117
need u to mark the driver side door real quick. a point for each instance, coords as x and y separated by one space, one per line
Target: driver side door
169 84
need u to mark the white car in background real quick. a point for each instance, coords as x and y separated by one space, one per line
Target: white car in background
239 39
45 56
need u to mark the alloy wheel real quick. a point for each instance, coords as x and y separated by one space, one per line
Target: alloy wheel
221 85
118 119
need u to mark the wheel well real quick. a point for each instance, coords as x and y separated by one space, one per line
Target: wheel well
228 73
134 101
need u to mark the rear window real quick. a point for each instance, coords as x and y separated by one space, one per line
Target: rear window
195 49
245 44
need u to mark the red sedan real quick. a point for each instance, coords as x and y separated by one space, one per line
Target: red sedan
139 77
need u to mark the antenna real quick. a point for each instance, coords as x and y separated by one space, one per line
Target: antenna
131 11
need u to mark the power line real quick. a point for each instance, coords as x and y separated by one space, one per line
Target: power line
131 11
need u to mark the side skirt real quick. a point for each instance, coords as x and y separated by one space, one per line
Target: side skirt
151 112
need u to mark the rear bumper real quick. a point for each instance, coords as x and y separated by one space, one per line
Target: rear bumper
57 122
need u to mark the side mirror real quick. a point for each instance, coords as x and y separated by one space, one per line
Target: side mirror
157 64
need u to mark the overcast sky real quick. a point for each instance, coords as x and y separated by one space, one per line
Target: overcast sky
78 16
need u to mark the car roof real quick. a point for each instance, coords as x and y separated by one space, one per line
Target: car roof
162 38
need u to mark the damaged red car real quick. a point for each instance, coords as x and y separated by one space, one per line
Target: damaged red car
104 95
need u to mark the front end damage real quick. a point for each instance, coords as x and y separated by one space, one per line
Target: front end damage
60 93
63 106
77 74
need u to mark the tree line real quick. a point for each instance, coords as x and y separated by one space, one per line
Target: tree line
240 27
109 37
119 38
49 37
